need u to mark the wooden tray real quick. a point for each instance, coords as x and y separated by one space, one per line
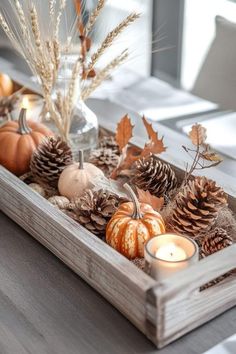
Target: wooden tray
163 311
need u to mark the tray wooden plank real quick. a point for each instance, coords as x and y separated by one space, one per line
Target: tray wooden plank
176 306
111 274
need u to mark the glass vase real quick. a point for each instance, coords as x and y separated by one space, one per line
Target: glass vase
83 129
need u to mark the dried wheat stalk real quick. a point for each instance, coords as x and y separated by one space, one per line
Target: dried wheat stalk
43 52
94 15
103 74
111 37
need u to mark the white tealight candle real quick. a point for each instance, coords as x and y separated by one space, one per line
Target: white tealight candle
169 253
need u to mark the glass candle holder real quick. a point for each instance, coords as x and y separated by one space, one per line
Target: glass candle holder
168 254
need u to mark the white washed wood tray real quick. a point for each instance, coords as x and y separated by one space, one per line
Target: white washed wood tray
162 311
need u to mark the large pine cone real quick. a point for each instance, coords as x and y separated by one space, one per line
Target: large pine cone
196 207
49 160
105 159
94 210
216 241
154 175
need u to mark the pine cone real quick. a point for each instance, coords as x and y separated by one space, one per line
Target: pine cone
216 241
105 159
94 210
196 207
154 175
109 142
49 160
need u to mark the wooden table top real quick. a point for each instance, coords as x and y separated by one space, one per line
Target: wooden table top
45 308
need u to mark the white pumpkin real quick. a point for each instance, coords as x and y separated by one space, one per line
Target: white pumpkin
77 177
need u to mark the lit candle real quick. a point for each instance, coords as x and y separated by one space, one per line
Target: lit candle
169 253
25 102
33 104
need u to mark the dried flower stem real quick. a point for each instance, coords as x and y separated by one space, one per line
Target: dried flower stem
111 37
103 74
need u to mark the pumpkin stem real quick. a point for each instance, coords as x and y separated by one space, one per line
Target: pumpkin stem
137 211
81 159
23 126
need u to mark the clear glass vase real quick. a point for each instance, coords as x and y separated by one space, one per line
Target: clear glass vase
83 132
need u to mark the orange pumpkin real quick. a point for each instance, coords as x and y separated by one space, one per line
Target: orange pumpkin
132 226
6 85
18 140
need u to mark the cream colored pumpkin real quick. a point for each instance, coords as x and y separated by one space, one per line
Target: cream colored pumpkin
77 177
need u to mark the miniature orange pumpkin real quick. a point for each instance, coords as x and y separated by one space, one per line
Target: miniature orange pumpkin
77 177
132 226
6 85
18 140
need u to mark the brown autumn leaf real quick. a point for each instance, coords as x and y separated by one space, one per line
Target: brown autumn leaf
124 132
211 156
155 145
127 159
148 198
198 134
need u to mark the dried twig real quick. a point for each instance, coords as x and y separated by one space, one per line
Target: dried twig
203 157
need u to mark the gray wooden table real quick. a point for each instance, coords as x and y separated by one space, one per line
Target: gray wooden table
45 308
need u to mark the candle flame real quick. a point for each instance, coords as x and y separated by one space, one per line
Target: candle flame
171 252
25 103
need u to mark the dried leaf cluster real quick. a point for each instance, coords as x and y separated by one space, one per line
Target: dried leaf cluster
129 153
202 155
47 52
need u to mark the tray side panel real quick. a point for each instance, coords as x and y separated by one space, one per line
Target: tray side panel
180 305
112 275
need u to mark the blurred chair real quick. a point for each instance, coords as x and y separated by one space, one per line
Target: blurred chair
216 81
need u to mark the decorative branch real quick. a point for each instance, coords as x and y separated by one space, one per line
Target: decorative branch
202 152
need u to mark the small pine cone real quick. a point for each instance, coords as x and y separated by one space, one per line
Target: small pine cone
105 159
154 175
94 210
215 242
196 207
49 160
109 142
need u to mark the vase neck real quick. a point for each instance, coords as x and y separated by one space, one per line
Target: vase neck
65 81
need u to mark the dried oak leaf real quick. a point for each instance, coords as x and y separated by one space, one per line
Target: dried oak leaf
211 156
124 132
198 134
155 145
148 198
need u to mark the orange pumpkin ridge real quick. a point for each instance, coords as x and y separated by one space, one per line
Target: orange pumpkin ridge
18 140
132 226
